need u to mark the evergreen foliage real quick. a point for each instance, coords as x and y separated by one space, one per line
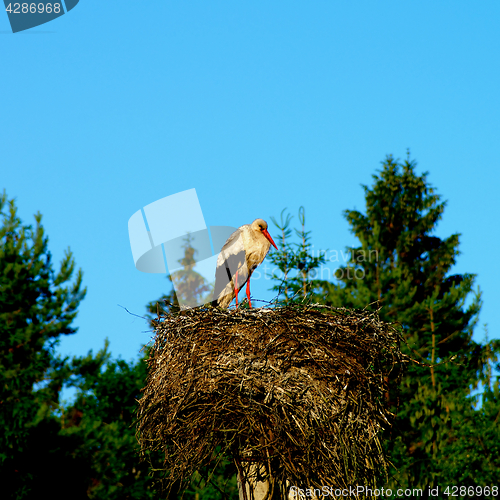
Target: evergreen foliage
187 285
83 450
190 287
101 421
37 305
401 265
295 261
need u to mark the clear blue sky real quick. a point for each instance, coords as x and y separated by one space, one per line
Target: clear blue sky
259 106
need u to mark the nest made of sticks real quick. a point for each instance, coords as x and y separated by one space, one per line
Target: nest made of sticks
300 389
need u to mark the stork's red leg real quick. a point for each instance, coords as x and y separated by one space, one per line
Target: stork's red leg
236 287
248 293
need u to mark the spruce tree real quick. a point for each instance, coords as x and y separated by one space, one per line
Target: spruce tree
403 267
101 422
187 285
37 306
295 261
190 287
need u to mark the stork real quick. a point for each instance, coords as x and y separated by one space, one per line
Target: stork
243 251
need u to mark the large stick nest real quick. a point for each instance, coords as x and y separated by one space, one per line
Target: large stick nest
302 390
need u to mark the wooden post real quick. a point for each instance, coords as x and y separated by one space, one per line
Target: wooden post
249 487
255 481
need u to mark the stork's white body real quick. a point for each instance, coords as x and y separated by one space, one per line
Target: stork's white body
243 251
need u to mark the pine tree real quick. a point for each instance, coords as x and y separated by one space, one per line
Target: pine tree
295 261
187 285
473 451
37 305
191 288
403 267
101 422
284 257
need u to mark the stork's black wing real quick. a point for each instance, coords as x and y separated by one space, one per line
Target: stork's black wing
231 259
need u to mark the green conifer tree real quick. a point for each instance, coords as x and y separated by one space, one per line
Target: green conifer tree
295 261
37 305
402 266
187 285
101 422
190 287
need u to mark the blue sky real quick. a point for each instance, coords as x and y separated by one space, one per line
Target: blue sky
259 106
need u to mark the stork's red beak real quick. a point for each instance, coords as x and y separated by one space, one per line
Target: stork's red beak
268 236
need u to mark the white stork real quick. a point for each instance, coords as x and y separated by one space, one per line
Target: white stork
243 251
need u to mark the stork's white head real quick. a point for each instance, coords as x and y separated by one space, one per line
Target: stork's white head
260 226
